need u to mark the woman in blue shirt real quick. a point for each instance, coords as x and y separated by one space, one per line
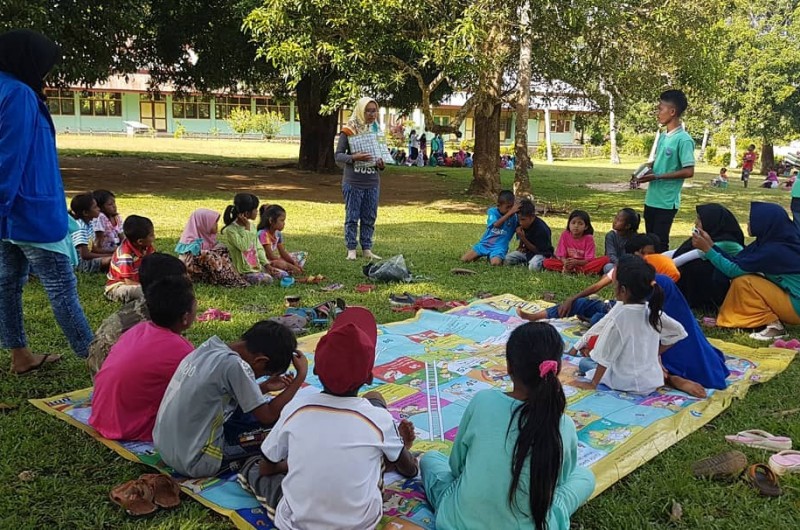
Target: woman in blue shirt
34 224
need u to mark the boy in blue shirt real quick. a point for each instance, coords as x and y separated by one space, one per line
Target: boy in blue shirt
501 225
674 162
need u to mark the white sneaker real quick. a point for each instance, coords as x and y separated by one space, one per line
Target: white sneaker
369 255
769 333
351 255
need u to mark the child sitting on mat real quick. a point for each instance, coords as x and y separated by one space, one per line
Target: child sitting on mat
154 267
501 224
240 237
330 448
535 239
213 408
514 462
130 385
576 250
633 334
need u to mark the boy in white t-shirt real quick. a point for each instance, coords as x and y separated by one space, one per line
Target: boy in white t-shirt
326 455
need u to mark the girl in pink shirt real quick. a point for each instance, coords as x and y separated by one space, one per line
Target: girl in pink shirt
576 251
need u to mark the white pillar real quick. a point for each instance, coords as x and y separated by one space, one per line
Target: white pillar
547 135
734 162
652 156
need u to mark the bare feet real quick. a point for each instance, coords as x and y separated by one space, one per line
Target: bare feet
690 387
533 317
24 361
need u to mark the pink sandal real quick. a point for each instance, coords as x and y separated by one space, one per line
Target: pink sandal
214 314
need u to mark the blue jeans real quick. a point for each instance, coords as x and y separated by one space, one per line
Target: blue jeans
55 273
585 308
360 205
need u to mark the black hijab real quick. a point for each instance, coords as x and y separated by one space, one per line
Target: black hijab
720 224
28 56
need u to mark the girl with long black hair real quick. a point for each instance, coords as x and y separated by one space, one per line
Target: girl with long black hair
514 461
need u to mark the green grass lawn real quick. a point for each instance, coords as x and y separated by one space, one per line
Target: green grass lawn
73 474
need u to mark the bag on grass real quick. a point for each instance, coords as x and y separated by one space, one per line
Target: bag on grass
393 269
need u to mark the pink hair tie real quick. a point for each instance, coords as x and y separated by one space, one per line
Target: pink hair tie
547 367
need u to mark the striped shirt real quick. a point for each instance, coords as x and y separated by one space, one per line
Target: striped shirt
125 263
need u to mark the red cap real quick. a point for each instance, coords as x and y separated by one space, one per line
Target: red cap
345 356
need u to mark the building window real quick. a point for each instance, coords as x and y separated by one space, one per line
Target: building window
191 108
265 105
224 105
60 102
101 104
441 120
561 126
469 128
509 128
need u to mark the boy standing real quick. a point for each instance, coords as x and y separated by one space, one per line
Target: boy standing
535 239
748 161
129 387
501 226
325 457
674 162
154 267
213 406
123 274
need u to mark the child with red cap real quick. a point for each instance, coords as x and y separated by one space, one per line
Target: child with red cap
325 456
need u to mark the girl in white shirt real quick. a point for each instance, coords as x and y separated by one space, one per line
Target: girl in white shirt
631 337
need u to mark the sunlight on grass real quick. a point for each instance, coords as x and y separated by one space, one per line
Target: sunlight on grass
74 473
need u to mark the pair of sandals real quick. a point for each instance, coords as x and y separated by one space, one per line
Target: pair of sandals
147 494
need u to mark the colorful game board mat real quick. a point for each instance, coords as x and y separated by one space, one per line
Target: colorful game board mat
429 367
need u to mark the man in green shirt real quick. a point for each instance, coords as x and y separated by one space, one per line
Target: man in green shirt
674 162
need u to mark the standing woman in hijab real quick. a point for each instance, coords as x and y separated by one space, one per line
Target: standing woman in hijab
701 283
34 224
765 291
360 185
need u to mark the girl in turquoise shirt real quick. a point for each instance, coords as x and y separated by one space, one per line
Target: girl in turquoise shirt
514 461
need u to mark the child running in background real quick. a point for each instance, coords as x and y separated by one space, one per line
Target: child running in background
624 226
213 399
633 334
514 462
270 227
123 273
592 309
108 225
501 226
206 261
154 267
129 387
240 237
535 239
83 208
576 251
331 448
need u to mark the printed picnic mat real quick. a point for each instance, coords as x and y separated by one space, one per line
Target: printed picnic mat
429 367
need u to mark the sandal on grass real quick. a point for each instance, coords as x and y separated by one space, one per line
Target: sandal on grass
47 358
770 333
166 492
758 439
136 496
761 477
727 465
785 462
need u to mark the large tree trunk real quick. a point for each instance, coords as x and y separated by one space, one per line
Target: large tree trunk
704 145
767 157
612 130
522 183
485 170
548 138
317 131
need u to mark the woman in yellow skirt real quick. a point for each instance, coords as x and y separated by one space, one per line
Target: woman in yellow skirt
765 291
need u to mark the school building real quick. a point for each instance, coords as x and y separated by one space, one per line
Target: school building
107 106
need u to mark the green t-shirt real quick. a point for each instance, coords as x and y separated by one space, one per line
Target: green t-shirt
796 190
675 151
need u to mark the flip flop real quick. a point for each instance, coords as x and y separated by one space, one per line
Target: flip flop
761 477
758 439
214 314
136 496
785 462
364 288
166 492
727 465
793 344
462 272
41 363
332 287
